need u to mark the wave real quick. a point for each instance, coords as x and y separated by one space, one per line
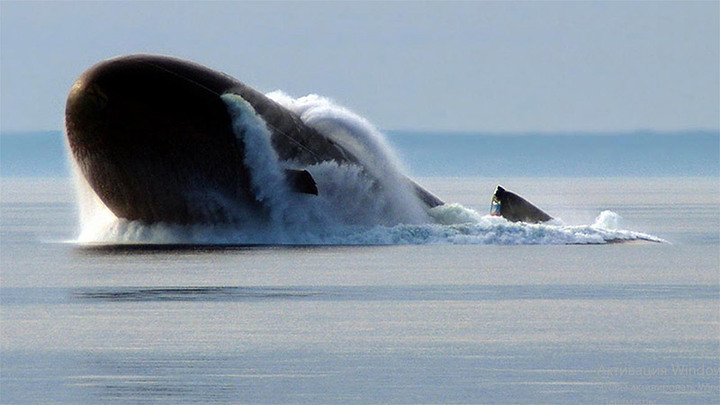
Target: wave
370 206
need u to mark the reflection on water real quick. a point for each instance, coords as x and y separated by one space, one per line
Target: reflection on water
405 293
47 296
381 324
193 294
459 373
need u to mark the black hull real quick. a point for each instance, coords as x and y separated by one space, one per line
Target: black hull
155 141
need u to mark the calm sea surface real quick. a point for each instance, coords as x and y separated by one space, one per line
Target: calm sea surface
370 324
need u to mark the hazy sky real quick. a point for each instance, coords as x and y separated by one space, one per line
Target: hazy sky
467 66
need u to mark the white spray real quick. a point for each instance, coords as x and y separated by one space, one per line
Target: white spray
372 204
358 136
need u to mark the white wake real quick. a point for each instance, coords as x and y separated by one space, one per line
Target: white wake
354 206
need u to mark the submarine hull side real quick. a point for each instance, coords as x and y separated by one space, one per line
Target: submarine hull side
155 140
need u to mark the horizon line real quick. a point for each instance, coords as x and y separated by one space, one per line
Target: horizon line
440 132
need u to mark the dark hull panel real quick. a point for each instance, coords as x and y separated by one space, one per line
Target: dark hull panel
155 141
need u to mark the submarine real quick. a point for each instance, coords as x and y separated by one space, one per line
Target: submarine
153 137
515 208
155 140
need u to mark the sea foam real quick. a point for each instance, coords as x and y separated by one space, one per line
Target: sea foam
365 206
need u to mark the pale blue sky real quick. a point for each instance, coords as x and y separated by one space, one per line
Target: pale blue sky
469 66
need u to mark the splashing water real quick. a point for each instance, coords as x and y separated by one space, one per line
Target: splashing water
371 206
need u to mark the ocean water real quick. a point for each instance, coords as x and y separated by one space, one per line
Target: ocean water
428 154
430 323
359 296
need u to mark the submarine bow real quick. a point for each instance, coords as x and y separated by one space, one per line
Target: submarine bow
154 138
